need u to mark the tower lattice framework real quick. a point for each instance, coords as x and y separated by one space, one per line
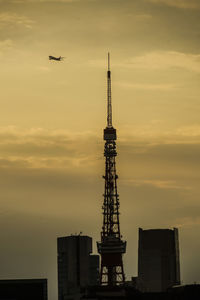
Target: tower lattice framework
111 248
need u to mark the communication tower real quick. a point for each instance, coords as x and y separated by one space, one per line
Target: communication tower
111 247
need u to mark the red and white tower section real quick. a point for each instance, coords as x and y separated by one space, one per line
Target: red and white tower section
111 247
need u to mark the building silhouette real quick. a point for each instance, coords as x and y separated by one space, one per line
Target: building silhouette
77 268
23 289
158 260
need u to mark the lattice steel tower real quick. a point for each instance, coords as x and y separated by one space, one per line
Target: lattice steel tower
111 247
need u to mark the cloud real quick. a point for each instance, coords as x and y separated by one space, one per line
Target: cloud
42 1
155 133
44 69
150 152
188 221
161 184
6 45
40 148
165 60
141 17
151 87
58 146
189 131
184 4
160 160
157 60
8 18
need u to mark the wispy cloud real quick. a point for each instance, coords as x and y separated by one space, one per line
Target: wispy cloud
187 222
38 147
8 18
151 87
156 60
44 69
192 131
161 184
142 17
42 1
5 45
156 133
165 60
184 4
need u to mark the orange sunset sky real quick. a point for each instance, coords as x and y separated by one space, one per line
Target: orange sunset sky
53 113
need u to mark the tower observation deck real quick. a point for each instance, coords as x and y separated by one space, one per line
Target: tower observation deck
111 247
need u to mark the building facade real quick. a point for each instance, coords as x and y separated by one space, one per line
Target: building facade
158 260
77 268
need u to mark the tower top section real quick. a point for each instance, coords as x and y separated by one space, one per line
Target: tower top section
108 61
109 132
109 99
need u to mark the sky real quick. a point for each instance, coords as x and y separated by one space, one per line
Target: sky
52 118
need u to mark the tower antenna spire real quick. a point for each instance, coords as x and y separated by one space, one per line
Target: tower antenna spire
109 99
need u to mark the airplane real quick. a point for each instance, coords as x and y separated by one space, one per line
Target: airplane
55 58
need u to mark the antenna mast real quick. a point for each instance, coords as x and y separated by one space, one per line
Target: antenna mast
109 99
